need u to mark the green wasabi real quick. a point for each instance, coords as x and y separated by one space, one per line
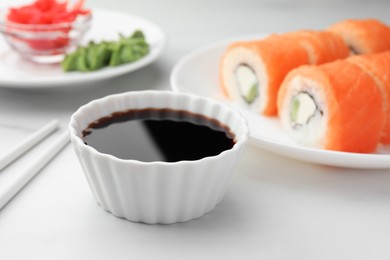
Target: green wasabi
96 56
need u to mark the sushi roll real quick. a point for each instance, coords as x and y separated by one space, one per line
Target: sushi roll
321 46
363 36
251 72
335 106
378 66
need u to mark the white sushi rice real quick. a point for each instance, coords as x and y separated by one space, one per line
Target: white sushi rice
231 61
311 126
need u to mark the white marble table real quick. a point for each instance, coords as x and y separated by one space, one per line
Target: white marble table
275 207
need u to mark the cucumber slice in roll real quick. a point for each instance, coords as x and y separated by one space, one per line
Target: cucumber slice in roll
303 107
247 82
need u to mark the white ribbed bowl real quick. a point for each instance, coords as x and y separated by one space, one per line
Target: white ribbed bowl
157 192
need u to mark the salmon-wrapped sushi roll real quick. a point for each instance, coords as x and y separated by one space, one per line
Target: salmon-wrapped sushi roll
335 106
378 66
363 36
251 72
322 46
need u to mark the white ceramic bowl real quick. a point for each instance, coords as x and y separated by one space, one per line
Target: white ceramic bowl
157 192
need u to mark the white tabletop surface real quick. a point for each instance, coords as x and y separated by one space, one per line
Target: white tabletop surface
274 208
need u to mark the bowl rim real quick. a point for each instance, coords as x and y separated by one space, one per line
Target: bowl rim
242 139
81 21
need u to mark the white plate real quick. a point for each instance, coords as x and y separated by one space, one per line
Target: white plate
197 73
16 72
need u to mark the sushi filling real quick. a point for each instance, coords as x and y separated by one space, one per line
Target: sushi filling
247 82
302 109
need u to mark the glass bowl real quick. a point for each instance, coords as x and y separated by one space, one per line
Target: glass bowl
43 43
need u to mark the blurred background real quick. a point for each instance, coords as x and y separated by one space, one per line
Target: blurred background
276 208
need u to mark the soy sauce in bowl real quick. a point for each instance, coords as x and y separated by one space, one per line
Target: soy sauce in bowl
153 134
176 161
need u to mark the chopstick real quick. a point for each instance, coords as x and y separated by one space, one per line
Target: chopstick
28 143
11 188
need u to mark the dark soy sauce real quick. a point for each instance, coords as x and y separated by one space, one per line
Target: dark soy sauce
158 135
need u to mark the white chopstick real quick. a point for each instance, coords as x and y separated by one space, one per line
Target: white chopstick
27 143
10 189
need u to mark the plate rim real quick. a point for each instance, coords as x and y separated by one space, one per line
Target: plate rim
298 152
